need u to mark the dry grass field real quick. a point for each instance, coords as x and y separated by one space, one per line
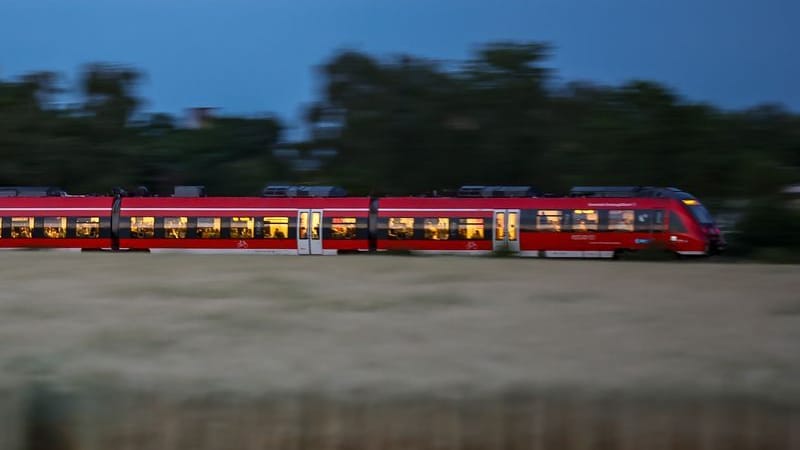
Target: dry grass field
211 351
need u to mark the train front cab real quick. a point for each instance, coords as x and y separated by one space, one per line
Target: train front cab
692 231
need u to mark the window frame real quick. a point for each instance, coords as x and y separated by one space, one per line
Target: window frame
62 226
468 224
267 223
343 228
30 227
408 230
81 222
216 225
436 232
236 231
551 227
141 222
621 221
183 230
589 226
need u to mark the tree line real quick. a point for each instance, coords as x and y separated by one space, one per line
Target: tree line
403 124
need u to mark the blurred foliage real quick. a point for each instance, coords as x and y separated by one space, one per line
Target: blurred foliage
101 142
769 230
403 125
410 125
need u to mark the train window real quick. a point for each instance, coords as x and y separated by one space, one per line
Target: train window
242 227
471 228
302 225
55 227
500 226
87 227
644 220
620 220
549 220
437 228
316 219
21 227
208 227
343 228
276 227
175 227
143 227
584 220
676 223
401 227
658 220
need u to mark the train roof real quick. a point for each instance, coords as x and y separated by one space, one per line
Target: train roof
31 191
496 191
303 191
628 191
331 192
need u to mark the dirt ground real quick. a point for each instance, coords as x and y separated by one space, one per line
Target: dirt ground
171 351
252 324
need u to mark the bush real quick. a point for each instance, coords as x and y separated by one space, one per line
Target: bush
768 227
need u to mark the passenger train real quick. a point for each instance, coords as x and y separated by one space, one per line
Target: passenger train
590 222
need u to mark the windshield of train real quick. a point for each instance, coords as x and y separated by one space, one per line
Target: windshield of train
696 208
700 213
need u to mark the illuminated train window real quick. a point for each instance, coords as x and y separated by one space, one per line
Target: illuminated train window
437 228
549 220
242 227
343 228
175 227
21 227
471 228
584 220
276 227
143 227
208 227
55 227
87 227
620 220
401 228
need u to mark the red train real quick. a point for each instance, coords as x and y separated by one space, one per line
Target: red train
590 222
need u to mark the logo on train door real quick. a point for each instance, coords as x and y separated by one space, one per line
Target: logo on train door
241 244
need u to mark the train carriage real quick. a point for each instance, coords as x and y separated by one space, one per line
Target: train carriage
56 222
292 226
551 227
447 225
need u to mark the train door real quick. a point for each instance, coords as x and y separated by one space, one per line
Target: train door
309 232
506 230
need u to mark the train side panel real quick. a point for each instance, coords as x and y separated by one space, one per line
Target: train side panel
79 223
437 225
269 225
553 227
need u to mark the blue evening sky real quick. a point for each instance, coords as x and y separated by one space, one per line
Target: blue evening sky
250 57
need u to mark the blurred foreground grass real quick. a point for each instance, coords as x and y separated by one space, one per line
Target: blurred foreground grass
190 351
